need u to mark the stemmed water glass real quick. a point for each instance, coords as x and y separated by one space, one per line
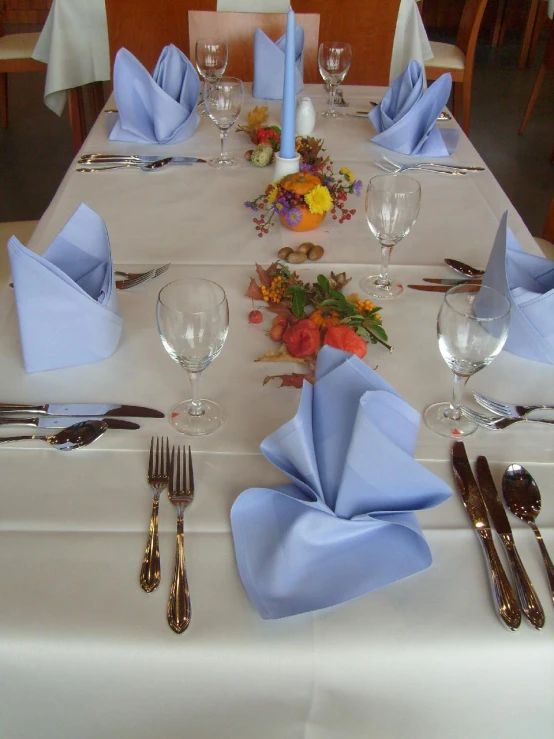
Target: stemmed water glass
472 328
392 207
334 59
223 101
211 60
193 321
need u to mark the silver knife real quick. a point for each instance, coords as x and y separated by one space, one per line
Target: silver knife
432 288
452 282
55 422
506 603
529 601
139 158
87 410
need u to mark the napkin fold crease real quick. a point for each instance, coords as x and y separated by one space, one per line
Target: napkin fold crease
269 64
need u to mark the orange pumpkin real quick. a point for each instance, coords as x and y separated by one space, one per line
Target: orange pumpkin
308 222
300 182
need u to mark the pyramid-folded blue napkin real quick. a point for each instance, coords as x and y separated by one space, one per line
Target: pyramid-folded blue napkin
66 299
158 108
406 118
528 283
269 64
345 526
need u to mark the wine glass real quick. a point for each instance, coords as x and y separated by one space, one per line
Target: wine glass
334 59
193 321
392 207
472 328
211 60
223 101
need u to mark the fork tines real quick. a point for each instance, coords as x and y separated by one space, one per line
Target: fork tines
150 275
158 460
181 475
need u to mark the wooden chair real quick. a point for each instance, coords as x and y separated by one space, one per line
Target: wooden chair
547 63
459 59
23 230
15 53
238 30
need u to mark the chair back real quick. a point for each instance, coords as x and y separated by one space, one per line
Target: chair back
548 231
548 59
470 24
238 30
18 13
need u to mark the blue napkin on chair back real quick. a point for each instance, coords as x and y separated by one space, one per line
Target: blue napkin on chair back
346 525
160 108
269 64
528 283
66 299
406 118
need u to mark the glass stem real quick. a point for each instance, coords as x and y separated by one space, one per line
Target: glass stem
332 98
454 411
386 250
223 137
196 408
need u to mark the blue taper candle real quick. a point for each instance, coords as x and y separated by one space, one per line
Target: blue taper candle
288 150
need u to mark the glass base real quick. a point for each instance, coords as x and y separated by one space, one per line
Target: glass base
374 286
210 420
223 163
331 114
437 420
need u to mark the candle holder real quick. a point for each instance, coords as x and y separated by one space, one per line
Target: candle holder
284 166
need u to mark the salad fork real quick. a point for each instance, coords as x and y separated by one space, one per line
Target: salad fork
137 279
511 410
497 423
395 168
158 476
181 494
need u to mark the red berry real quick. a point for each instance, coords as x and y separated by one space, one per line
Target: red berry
255 316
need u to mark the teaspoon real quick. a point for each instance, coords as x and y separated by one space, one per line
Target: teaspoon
523 498
464 269
72 437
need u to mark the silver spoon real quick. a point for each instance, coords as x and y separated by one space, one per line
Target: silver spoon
464 269
72 437
131 165
523 498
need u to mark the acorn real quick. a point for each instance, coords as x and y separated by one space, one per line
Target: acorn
316 252
248 154
284 252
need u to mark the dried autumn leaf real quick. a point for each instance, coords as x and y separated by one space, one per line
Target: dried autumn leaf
281 309
254 291
257 116
282 355
295 379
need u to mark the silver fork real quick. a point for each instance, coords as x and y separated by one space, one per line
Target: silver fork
497 423
138 279
181 494
158 476
509 409
395 168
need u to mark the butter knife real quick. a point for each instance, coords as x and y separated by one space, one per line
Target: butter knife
503 594
87 410
57 422
529 601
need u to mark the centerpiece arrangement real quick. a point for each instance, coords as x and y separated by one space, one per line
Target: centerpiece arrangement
311 315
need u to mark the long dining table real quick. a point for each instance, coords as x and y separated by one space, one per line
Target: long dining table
85 652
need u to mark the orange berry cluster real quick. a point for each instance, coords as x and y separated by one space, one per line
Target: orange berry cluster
274 293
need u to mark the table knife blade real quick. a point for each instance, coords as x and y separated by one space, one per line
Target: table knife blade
86 410
528 598
432 288
451 282
503 594
61 422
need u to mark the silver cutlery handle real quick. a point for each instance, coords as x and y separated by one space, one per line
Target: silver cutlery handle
6 439
503 594
528 598
545 557
178 607
150 572
17 408
18 421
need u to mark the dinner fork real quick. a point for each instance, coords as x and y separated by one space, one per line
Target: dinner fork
181 494
497 423
432 165
137 279
509 409
158 475
393 168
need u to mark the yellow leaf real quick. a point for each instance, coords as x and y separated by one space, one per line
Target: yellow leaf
281 355
257 117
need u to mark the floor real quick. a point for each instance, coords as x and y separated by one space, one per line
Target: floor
35 150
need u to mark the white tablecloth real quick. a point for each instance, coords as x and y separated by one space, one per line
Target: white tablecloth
84 652
74 42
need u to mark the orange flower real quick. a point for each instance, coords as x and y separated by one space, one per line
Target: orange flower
302 339
345 338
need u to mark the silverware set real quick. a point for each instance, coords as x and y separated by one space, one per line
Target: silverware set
506 414
174 470
132 279
468 274
146 163
387 165
482 502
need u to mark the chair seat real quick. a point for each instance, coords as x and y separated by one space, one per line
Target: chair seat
446 55
547 247
18 45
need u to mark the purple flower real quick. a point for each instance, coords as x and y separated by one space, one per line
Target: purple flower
280 206
294 216
250 204
357 188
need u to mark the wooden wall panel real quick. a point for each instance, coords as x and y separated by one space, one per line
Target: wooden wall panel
25 11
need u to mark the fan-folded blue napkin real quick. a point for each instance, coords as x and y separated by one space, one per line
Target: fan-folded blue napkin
66 299
406 118
269 64
346 525
160 108
528 283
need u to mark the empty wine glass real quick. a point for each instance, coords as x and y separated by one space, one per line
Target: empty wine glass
391 207
223 101
211 60
193 321
334 59
472 328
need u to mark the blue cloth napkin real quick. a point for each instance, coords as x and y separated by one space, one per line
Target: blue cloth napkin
66 299
528 283
346 525
269 64
160 108
406 118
